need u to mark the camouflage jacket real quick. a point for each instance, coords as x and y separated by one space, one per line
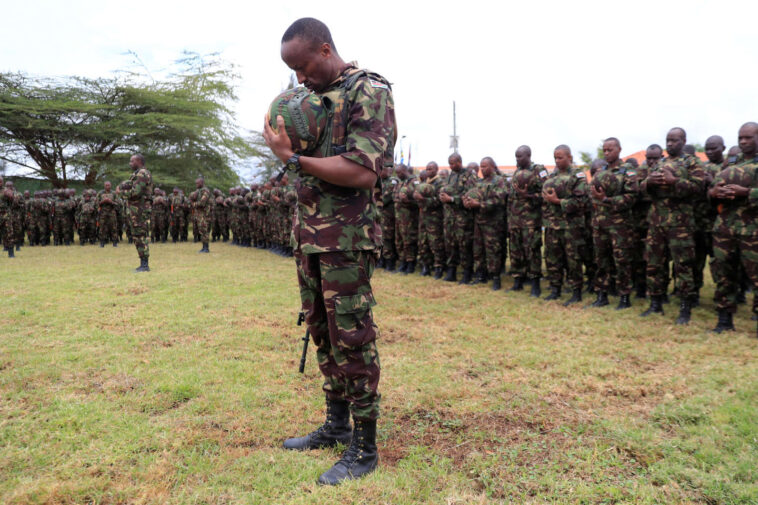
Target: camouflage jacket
620 196
457 184
739 216
388 189
139 189
362 130
641 206
493 195
204 203
705 213
403 195
672 206
571 189
107 201
525 211
430 191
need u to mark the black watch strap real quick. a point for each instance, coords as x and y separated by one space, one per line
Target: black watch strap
294 163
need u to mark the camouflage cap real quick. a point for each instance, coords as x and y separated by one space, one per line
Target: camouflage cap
305 117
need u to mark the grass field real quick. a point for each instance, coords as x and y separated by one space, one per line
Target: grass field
178 386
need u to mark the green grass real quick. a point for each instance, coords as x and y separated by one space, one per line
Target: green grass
178 386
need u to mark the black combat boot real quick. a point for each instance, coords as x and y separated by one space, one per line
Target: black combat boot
641 288
402 267
143 266
601 300
18 247
479 278
425 271
741 299
335 430
450 275
466 279
725 322
518 284
624 302
358 460
380 262
205 248
695 300
438 273
410 267
685 310
576 297
495 283
102 243
390 266
536 290
115 243
555 293
10 252
656 306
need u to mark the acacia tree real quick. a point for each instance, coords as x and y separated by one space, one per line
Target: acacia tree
86 128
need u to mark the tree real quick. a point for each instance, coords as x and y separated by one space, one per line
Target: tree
87 128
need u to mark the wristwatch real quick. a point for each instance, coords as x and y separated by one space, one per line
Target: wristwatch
294 163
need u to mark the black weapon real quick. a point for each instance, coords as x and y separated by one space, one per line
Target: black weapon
306 338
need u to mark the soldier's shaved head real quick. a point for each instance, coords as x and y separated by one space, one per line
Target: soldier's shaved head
675 140
525 149
310 30
714 149
563 147
455 157
597 164
633 162
523 157
679 130
613 139
748 139
689 149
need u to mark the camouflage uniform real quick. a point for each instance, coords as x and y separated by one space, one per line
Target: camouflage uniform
705 217
431 223
406 220
735 235
458 220
389 252
138 193
672 224
613 227
108 204
336 236
87 219
220 227
18 210
525 222
489 222
640 211
6 219
176 202
203 208
160 210
564 228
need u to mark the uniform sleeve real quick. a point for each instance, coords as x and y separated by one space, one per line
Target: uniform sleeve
626 199
371 132
693 184
576 203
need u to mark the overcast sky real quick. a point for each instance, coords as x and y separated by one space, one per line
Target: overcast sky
540 73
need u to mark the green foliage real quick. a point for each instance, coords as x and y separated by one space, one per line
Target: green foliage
74 127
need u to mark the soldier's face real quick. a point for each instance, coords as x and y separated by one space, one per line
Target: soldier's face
134 163
431 170
562 159
455 164
310 63
611 151
487 168
675 142
714 149
748 140
653 157
523 159
107 186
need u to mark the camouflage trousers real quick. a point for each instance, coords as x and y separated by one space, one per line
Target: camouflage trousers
6 231
139 225
680 245
639 265
220 229
87 229
177 223
526 252
730 252
160 230
432 254
18 226
202 227
488 243
459 237
335 290
388 233
563 253
703 249
406 233
612 248
108 226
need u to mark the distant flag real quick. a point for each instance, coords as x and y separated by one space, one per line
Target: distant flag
409 155
402 156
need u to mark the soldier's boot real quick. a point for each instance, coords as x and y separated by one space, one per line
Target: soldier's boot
131 240
425 270
360 459
656 306
495 283
612 289
389 265
624 302
555 293
665 298
725 322
466 279
518 284
410 267
601 300
163 240
402 267
479 278
205 248
437 273
335 430
536 290
18 247
641 288
685 311
102 243
754 317
143 266
115 243
379 263
576 297
10 252
695 300
450 275
741 298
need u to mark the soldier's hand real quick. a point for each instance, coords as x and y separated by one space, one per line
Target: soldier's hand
279 143
549 195
737 191
598 192
668 177
519 189
445 198
417 196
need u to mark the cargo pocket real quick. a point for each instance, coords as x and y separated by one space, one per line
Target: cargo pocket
353 317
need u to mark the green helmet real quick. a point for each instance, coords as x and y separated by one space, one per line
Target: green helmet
305 118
